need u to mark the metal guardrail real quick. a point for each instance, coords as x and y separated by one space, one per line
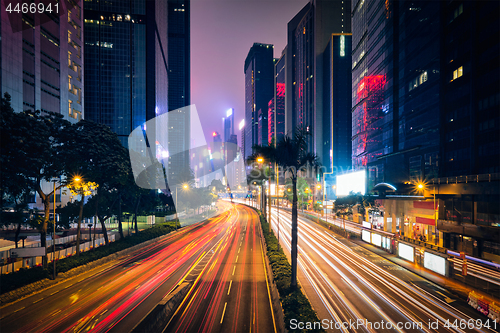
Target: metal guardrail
424 244
466 179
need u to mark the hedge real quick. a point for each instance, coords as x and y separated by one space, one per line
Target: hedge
295 304
26 276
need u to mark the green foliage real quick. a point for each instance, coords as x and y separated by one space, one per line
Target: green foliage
295 304
23 277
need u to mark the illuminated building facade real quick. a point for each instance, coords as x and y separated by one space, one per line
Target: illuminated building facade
259 80
395 130
125 72
425 83
42 60
279 98
179 82
336 126
309 34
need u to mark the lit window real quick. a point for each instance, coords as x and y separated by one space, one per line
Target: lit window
458 72
69 82
69 36
69 108
69 15
69 58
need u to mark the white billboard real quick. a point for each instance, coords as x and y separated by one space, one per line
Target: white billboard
435 263
376 240
406 252
351 182
365 235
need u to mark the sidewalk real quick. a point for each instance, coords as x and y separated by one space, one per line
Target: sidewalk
460 289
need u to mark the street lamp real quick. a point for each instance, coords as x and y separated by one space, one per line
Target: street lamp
421 187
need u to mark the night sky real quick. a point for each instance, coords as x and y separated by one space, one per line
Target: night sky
222 32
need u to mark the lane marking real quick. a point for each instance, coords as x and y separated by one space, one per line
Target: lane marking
230 283
239 250
37 301
223 312
234 269
237 258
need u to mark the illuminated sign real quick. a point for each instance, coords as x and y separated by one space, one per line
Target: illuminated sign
242 124
229 112
351 182
376 239
365 235
406 252
342 45
435 263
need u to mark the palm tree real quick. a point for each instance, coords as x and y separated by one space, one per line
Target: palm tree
290 154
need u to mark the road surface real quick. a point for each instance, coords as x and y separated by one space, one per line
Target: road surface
347 283
115 297
231 294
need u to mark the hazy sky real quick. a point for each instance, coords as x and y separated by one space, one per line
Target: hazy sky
222 32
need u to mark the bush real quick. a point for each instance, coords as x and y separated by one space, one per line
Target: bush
295 304
26 276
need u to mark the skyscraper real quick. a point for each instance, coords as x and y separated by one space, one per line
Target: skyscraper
258 91
419 116
228 124
125 57
279 97
42 60
309 33
179 83
336 145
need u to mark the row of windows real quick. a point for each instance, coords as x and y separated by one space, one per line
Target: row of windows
53 39
457 114
487 125
458 155
491 148
48 92
457 73
489 102
418 81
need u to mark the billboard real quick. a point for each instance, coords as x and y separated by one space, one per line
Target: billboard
435 263
351 182
406 252
376 240
365 235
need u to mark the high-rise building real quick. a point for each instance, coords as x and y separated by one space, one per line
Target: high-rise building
419 116
42 60
279 97
425 83
179 84
228 124
125 57
309 33
41 66
336 127
258 91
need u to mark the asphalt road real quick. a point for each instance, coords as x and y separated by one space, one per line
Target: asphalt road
347 284
231 293
117 296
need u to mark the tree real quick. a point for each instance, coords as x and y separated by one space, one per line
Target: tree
32 143
291 154
98 156
82 188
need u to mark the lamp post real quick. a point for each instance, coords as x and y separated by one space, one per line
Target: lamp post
422 187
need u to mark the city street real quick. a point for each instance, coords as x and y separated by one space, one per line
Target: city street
116 296
347 283
231 293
